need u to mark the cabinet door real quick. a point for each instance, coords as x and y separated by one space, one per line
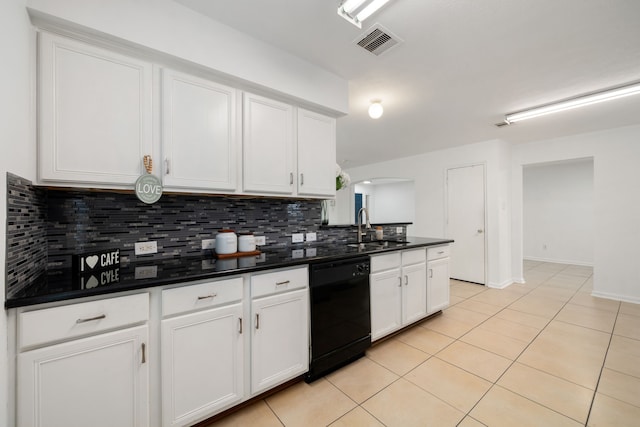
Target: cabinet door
316 154
437 285
199 139
100 381
202 364
94 113
386 303
414 293
280 339
268 140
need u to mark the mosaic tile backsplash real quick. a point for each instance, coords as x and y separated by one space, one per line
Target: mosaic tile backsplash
46 227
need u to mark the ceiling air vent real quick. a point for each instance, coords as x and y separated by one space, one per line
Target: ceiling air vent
377 40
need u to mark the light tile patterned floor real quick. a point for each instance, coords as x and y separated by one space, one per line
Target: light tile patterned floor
544 353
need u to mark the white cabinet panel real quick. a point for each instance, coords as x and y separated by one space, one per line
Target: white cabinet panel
202 364
268 146
199 133
280 339
99 381
438 285
386 303
95 116
316 154
398 291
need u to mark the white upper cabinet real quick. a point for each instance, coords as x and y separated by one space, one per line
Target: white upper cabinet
95 114
199 133
316 154
268 165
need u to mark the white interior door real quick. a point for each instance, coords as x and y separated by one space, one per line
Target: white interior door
466 222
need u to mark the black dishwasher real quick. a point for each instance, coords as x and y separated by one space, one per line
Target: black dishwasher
340 314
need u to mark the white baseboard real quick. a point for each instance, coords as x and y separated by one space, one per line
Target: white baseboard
616 297
500 285
559 261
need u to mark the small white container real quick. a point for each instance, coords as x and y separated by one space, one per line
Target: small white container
226 242
379 233
246 242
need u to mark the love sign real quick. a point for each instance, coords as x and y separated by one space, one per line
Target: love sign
148 188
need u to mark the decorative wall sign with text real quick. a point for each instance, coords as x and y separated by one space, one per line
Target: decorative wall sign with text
148 187
97 261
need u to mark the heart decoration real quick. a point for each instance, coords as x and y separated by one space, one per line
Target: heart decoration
92 283
91 260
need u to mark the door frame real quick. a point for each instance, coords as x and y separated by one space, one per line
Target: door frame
446 210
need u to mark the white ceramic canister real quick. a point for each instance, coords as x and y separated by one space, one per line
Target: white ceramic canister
246 242
226 242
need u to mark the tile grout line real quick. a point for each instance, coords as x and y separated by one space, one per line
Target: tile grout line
604 361
495 383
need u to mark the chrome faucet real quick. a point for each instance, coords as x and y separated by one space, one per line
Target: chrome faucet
367 225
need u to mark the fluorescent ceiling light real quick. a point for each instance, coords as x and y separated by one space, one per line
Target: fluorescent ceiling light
569 104
356 11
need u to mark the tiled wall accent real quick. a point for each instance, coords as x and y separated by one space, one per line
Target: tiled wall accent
84 221
46 227
26 233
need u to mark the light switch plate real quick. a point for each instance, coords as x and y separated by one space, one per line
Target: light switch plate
297 238
145 248
261 240
208 243
311 237
398 230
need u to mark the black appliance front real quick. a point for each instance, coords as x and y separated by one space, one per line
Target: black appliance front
340 314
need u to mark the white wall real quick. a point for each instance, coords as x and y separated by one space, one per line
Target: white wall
17 147
558 212
616 185
428 171
394 202
170 28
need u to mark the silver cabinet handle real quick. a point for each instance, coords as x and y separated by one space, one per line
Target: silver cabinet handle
208 296
406 280
91 319
480 230
166 166
240 325
144 353
301 179
430 272
286 282
257 321
290 178
440 252
399 281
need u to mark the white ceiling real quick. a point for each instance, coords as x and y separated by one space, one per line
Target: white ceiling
462 66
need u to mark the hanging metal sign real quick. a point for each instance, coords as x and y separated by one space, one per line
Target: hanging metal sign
148 187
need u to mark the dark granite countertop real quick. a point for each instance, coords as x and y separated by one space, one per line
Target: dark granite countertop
64 284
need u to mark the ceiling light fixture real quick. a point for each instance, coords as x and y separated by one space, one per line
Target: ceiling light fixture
375 110
579 101
356 11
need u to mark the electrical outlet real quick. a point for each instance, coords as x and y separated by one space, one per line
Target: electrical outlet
311 237
399 230
297 238
146 248
208 243
261 240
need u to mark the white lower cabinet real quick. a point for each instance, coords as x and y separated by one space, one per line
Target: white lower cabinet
99 380
202 352
280 327
398 291
437 278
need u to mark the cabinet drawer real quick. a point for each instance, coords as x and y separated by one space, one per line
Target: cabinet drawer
279 281
39 327
414 256
438 252
199 296
385 262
